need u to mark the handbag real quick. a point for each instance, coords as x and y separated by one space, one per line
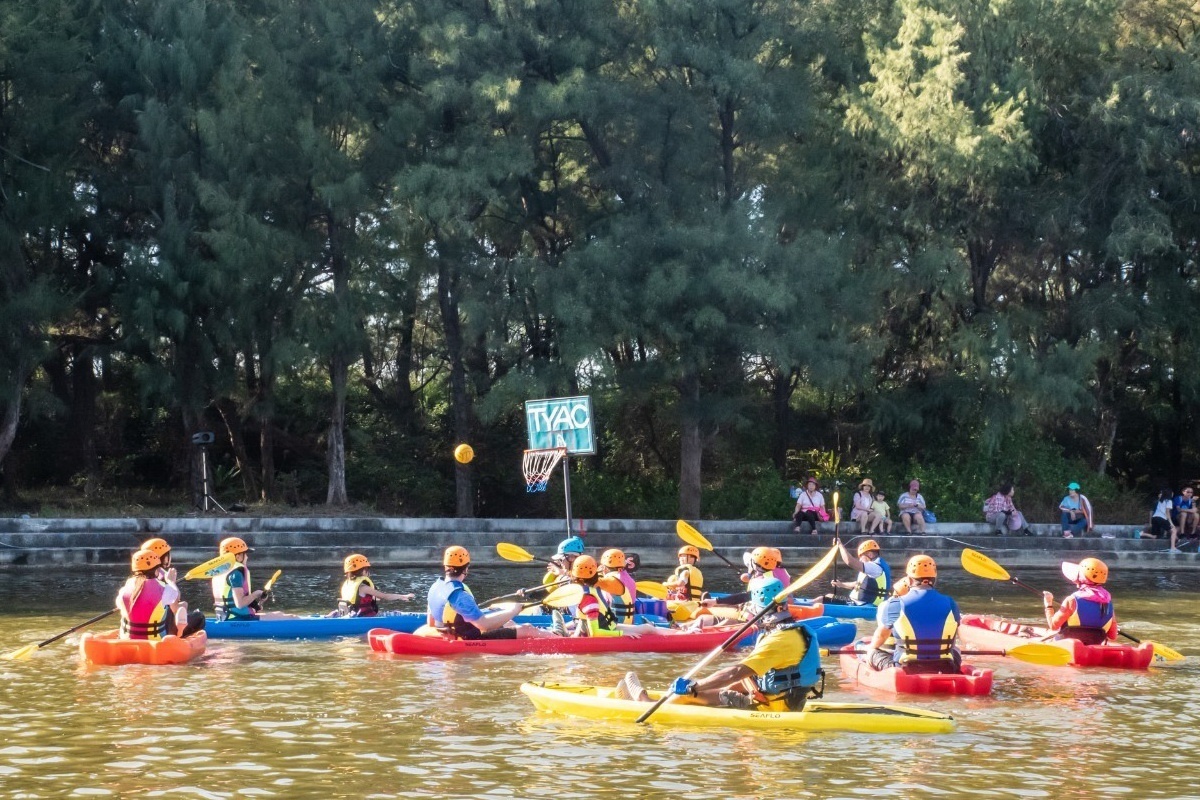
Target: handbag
823 514
928 516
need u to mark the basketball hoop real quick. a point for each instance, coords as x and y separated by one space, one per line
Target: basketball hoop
537 466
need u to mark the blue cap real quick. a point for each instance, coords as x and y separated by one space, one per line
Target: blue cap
1073 485
572 544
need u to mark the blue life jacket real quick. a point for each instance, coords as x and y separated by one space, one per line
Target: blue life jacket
926 628
1090 622
801 677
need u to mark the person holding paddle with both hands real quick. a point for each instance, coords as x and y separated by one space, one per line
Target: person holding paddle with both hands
232 595
453 612
781 673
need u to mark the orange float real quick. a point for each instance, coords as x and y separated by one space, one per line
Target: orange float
108 649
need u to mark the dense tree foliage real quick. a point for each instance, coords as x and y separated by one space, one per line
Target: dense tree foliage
956 239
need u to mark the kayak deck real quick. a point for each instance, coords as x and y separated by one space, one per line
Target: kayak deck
997 633
591 702
320 627
386 641
108 649
968 681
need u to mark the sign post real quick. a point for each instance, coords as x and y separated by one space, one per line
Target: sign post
564 422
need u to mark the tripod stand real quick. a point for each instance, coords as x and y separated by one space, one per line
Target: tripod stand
202 440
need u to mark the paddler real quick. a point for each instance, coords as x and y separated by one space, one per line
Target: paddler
1087 614
178 610
593 615
782 671
764 561
874 580
144 601
687 581
559 566
921 622
618 587
232 593
358 596
452 609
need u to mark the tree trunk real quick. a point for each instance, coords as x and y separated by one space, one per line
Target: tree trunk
82 427
460 399
233 426
12 411
782 388
690 449
335 451
264 409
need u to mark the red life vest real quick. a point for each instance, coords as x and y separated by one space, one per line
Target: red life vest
143 615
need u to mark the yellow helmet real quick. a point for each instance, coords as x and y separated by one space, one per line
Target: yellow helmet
868 546
144 561
584 568
157 546
1093 570
354 562
921 566
456 557
233 545
613 559
689 550
764 557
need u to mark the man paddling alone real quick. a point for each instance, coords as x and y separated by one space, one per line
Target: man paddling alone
781 673
452 609
921 621
1087 614
874 580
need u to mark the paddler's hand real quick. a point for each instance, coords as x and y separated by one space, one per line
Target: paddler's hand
708 602
171 575
1048 600
407 597
683 686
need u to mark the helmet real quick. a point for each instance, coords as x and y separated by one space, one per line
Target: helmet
456 556
901 587
1092 570
157 546
775 551
572 544
765 558
584 568
868 546
233 545
764 589
689 550
354 562
613 559
921 566
144 561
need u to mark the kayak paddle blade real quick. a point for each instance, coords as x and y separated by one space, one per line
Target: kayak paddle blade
980 565
692 536
511 552
212 568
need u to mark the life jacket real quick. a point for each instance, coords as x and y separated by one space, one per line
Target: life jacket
223 601
621 605
143 616
352 604
692 589
1091 621
782 574
606 621
798 681
870 591
440 613
926 628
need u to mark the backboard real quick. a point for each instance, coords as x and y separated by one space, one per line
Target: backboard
561 422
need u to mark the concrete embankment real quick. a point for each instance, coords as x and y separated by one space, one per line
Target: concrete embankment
322 542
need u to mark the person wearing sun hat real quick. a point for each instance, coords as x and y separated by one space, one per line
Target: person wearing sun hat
1076 512
1087 614
861 511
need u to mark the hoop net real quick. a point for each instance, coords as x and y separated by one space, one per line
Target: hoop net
538 465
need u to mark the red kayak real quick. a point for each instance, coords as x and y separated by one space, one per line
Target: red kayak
996 633
386 641
969 681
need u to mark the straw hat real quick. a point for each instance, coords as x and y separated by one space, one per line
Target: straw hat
867 483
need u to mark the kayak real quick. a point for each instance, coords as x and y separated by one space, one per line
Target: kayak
331 627
409 644
968 681
108 649
996 633
847 612
594 702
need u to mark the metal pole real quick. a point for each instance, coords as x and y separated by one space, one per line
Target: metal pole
567 492
204 478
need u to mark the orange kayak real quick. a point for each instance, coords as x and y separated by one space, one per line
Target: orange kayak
109 649
996 633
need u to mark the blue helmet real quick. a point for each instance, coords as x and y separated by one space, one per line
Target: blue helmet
764 589
572 544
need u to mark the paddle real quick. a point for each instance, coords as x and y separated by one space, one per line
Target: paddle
512 552
837 523
23 653
212 568
519 594
796 585
652 589
696 539
980 565
562 597
1034 653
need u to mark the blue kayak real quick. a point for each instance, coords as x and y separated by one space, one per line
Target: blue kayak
847 611
830 632
315 627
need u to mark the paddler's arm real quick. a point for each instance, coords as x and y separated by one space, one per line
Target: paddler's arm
735 599
726 676
371 592
1056 619
852 561
469 610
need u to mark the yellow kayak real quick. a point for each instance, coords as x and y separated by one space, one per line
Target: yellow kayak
595 702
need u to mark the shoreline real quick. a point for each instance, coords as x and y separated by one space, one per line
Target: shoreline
70 543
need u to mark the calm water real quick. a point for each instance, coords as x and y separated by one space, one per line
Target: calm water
331 719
